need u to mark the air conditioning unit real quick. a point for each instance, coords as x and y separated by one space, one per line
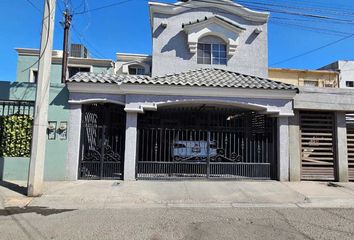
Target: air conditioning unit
79 51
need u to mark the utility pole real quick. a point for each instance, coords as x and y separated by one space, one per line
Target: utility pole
36 167
66 25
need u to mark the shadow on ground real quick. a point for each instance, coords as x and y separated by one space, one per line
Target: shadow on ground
14 187
44 211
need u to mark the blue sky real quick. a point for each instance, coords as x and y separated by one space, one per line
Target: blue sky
126 28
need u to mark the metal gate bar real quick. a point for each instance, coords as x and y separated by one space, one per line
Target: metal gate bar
239 148
102 142
317 146
350 144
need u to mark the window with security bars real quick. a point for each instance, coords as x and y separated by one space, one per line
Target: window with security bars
310 83
214 54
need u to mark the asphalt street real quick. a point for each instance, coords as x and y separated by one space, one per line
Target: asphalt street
176 223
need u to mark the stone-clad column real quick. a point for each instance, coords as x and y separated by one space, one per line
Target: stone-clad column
283 149
294 148
341 147
130 146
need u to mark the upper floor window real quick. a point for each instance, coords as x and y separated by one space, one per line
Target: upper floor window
136 70
74 70
212 50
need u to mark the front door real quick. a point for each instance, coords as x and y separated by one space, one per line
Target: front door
102 142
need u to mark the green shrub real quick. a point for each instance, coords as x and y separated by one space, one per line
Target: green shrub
15 135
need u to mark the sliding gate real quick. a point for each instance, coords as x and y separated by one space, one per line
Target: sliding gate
206 143
317 145
350 141
102 142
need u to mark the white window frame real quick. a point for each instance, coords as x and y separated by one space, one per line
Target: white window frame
212 45
137 68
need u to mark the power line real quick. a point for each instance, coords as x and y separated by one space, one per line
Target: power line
313 50
81 36
310 28
103 7
301 27
330 11
50 12
33 5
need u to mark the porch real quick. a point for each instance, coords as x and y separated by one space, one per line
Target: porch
229 127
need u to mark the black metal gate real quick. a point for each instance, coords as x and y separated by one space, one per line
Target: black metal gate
102 142
206 143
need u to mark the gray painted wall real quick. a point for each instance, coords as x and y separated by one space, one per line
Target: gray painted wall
171 53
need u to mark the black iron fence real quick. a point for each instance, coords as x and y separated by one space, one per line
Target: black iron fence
16 123
235 146
102 142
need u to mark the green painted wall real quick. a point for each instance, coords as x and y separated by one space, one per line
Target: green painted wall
56 151
27 63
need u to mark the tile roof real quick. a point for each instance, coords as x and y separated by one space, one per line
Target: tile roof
208 77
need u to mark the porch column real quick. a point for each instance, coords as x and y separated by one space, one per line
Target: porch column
294 148
283 149
74 136
130 146
341 162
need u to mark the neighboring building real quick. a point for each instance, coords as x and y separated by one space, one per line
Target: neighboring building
20 94
133 64
346 72
28 73
311 78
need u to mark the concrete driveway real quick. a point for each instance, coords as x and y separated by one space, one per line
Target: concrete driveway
191 210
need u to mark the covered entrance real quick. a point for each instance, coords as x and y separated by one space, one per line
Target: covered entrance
205 141
102 141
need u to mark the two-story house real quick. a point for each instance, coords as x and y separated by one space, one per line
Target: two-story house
17 98
200 106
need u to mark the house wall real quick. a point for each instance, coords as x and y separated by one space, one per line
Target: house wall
12 168
298 77
27 63
171 53
132 59
16 168
345 69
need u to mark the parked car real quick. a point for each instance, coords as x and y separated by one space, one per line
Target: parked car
193 150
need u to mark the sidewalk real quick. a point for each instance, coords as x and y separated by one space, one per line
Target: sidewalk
155 194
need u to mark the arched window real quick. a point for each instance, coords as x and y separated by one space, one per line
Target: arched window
212 50
136 70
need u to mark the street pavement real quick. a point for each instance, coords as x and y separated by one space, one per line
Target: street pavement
177 223
188 210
